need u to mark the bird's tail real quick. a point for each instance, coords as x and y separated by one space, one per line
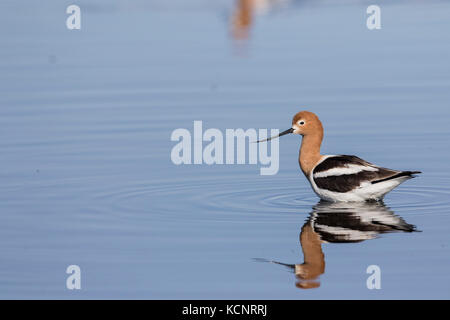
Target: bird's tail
398 175
409 173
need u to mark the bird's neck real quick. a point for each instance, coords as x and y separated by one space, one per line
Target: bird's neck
310 152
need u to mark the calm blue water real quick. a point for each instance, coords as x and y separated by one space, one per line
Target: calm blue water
85 170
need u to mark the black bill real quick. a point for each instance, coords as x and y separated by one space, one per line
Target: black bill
279 135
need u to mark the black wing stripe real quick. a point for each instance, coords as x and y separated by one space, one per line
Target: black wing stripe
398 175
339 162
345 182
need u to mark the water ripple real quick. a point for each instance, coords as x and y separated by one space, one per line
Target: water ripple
244 199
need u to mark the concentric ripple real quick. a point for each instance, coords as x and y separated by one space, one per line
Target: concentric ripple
424 195
246 198
235 198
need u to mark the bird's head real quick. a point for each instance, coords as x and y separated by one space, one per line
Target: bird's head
304 123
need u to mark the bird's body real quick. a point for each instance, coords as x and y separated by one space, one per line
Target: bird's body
340 177
349 178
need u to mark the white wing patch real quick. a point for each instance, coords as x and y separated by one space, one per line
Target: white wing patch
348 169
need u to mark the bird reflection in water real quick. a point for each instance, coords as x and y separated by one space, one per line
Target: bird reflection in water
244 12
340 223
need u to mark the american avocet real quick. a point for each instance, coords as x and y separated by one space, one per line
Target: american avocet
339 177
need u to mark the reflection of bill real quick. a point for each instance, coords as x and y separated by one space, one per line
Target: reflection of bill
242 17
340 223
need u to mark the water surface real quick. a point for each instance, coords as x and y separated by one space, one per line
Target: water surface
85 170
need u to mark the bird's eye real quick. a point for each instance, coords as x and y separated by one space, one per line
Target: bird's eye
301 122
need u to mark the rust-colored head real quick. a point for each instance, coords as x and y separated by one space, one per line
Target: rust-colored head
306 123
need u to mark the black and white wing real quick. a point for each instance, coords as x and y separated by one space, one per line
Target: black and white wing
344 173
